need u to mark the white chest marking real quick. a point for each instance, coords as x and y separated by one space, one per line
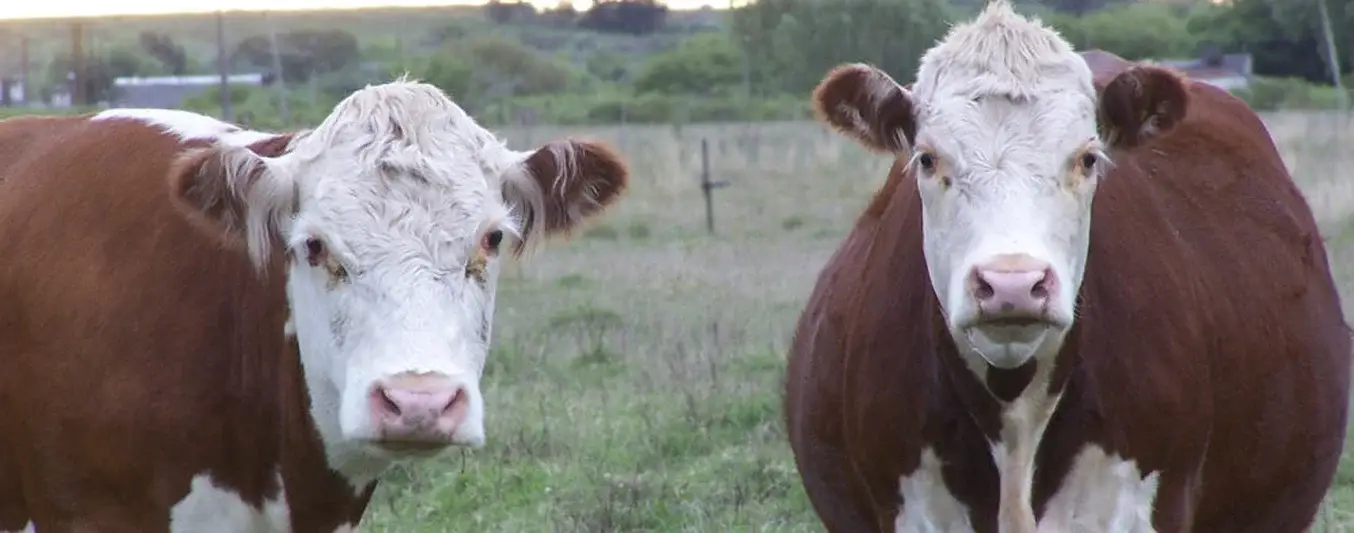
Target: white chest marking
928 507
1023 421
1102 493
209 508
30 528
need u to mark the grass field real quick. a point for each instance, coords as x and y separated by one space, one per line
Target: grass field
635 384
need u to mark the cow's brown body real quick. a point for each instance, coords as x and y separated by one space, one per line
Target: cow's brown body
204 328
136 353
1210 347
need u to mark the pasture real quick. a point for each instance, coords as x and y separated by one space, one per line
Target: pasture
635 383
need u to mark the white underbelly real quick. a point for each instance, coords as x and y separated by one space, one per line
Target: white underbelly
928 506
1099 494
27 529
1102 493
209 508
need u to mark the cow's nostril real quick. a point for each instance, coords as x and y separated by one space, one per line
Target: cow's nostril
982 290
456 402
388 404
1040 289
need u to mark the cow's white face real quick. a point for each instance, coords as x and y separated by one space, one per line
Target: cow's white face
1006 187
394 215
1008 140
392 287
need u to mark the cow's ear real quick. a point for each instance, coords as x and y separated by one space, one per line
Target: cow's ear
243 195
1141 103
864 103
561 185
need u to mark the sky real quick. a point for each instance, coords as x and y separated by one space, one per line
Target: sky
20 9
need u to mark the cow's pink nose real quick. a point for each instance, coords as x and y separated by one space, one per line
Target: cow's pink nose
1014 288
418 411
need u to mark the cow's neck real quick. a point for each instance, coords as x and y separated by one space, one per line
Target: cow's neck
319 496
1023 421
349 460
1013 407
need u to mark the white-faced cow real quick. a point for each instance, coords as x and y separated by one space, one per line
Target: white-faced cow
209 329
987 353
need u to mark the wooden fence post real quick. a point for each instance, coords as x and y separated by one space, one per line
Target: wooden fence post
708 186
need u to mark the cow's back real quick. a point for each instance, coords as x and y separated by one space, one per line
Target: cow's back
113 326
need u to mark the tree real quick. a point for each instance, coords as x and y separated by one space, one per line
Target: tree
480 70
504 66
1134 31
163 48
100 71
706 63
563 15
502 12
1283 36
449 72
791 44
637 17
303 53
608 66
1078 8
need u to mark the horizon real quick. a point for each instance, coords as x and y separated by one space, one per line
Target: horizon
63 9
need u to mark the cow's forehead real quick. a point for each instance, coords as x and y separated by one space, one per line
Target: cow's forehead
398 218
1004 90
401 160
1002 54
404 129
989 130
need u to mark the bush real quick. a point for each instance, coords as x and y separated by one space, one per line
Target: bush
648 108
1133 30
1269 94
257 107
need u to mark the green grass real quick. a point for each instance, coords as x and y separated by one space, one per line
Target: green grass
636 380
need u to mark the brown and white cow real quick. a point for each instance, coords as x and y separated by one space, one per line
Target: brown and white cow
210 329
985 353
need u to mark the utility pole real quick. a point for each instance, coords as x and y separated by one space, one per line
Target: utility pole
77 74
278 75
223 66
23 70
1332 55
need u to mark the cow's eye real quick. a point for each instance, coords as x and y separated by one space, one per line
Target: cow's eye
492 240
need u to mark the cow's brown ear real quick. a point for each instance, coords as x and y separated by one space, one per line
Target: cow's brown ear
562 184
1140 103
237 194
864 103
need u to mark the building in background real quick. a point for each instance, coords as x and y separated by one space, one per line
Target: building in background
12 74
12 92
1228 71
170 92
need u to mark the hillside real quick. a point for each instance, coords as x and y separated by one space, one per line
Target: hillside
417 30
629 60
